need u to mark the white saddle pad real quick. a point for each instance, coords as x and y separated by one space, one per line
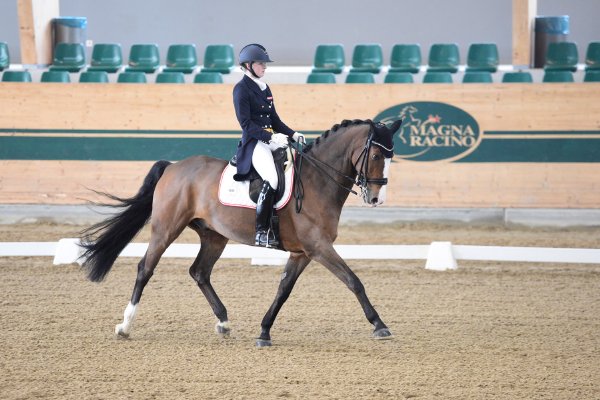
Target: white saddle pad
235 194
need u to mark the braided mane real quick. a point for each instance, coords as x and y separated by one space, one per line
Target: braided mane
344 124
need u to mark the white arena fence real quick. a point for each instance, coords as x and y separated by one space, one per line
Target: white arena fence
439 256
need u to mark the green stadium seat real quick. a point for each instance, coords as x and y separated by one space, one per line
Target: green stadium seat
477 77
329 58
56 76
592 56
208 77
360 77
321 77
170 77
405 58
4 56
517 77
93 77
367 58
558 76
437 77
443 57
143 58
592 75
132 77
16 76
68 57
181 58
483 57
398 77
218 58
106 57
562 56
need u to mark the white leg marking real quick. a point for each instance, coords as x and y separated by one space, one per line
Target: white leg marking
223 328
124 328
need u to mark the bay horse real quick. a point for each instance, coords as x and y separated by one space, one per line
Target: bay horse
177 195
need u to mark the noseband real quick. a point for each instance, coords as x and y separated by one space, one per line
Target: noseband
361 179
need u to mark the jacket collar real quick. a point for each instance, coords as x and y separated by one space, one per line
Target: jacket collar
252 85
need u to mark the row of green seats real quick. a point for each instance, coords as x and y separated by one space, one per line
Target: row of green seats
446 77
169 77
145 58
319 77
443 57
102 77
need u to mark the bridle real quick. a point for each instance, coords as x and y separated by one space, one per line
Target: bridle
361 180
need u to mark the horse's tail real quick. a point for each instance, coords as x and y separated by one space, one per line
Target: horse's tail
104 241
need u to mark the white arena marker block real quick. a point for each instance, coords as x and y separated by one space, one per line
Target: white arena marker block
440 257
68 251
268 261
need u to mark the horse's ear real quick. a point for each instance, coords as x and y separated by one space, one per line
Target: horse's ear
395 126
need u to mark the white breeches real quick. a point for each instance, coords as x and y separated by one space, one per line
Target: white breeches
262 160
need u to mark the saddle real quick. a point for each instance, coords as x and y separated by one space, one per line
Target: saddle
281 158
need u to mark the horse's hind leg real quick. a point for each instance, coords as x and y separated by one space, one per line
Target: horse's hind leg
159 241
211 248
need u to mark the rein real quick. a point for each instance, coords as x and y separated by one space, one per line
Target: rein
361 180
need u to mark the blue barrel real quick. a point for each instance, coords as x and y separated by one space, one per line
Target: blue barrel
548 30
69 30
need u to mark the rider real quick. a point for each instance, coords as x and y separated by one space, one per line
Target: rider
262 132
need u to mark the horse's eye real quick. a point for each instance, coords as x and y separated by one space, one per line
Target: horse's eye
375 157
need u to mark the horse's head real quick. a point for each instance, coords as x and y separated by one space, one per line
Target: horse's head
372 164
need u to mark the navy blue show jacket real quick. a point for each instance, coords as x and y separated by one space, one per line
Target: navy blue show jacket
255 111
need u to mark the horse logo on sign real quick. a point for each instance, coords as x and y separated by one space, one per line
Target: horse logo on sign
432 131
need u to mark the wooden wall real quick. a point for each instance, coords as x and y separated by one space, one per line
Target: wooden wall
496 107
557 106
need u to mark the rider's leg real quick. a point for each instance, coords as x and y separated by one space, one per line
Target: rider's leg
262 159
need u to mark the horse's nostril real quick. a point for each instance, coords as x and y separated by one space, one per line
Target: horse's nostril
374 200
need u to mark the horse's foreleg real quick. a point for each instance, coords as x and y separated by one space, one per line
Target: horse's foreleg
212 246
293 268
334 263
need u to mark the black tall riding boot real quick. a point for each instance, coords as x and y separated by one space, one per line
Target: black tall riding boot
264 210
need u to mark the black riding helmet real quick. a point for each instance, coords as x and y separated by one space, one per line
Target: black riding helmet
253 53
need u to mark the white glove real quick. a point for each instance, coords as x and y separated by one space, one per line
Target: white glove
279 139
298 137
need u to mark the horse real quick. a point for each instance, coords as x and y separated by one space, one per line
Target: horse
177 195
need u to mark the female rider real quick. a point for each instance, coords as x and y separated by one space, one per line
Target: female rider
262 132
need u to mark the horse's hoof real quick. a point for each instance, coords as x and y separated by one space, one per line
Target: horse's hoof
223 329
120 332
263 343
382 334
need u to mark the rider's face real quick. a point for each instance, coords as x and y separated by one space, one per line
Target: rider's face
259 68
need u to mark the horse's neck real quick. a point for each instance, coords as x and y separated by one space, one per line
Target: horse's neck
335 154
337 150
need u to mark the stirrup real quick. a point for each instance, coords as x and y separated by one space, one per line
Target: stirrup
263 239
